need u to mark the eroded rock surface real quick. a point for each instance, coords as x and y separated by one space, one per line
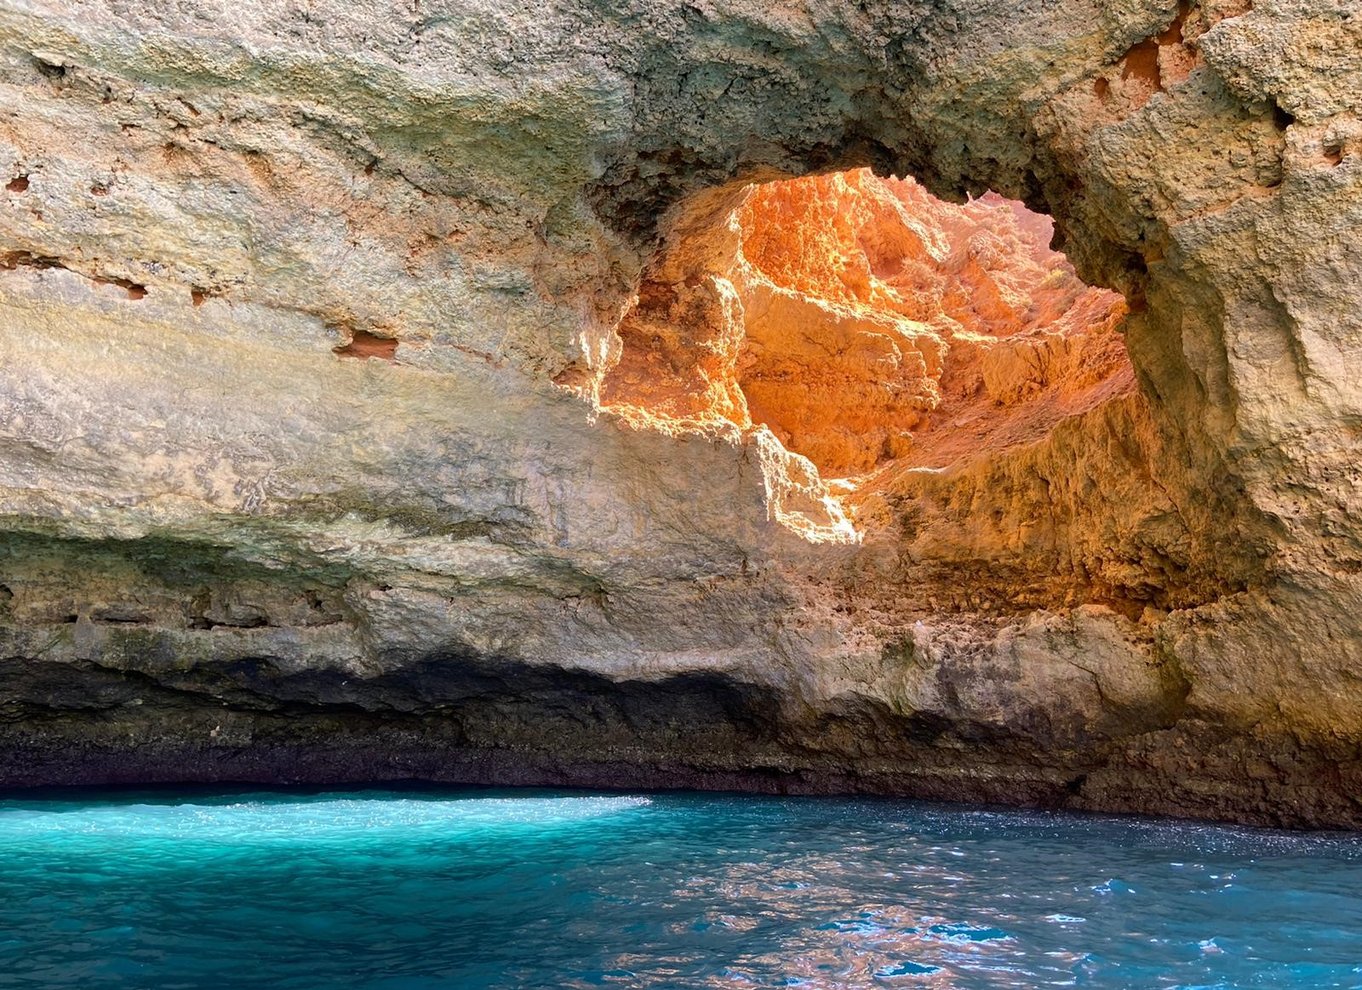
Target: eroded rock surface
358 418
863 320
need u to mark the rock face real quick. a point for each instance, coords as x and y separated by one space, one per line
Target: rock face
469 392
863 320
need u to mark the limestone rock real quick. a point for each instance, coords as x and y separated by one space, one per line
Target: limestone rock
457 390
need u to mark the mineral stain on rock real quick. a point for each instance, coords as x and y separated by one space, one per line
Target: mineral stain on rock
750 428
364 344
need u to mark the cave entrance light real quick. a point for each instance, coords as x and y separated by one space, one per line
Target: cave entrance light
866 324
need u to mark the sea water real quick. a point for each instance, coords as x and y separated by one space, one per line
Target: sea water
400 890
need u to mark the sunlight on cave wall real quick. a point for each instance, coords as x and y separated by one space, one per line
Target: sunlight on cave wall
865 323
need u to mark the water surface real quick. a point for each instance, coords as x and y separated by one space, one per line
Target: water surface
459 890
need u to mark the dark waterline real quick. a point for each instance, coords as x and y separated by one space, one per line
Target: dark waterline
407 888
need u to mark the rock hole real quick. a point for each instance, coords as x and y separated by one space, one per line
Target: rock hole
364 344
240 617
25 259
865 323
135 290
1280 117
1172 35
322 611
1333 152
1142 63
49 68
197 296
17 184
122 615
1101 87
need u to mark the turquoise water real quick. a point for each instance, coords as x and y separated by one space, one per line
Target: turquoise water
469 889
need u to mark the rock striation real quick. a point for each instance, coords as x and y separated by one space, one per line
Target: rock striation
567 393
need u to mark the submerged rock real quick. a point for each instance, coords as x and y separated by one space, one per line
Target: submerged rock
469 392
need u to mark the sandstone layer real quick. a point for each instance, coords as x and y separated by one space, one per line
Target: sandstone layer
456 391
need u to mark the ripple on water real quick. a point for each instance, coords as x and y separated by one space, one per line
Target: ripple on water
478 889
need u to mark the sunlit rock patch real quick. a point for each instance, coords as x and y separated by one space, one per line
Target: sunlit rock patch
864 321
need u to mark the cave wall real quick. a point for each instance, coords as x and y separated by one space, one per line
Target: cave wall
235 547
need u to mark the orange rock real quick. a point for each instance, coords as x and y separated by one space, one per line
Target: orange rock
863 320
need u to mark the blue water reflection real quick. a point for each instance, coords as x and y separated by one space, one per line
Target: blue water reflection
472 889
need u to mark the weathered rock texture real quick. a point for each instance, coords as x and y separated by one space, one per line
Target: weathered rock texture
356 423
863 320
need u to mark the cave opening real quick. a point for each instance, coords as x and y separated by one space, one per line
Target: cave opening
866 324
